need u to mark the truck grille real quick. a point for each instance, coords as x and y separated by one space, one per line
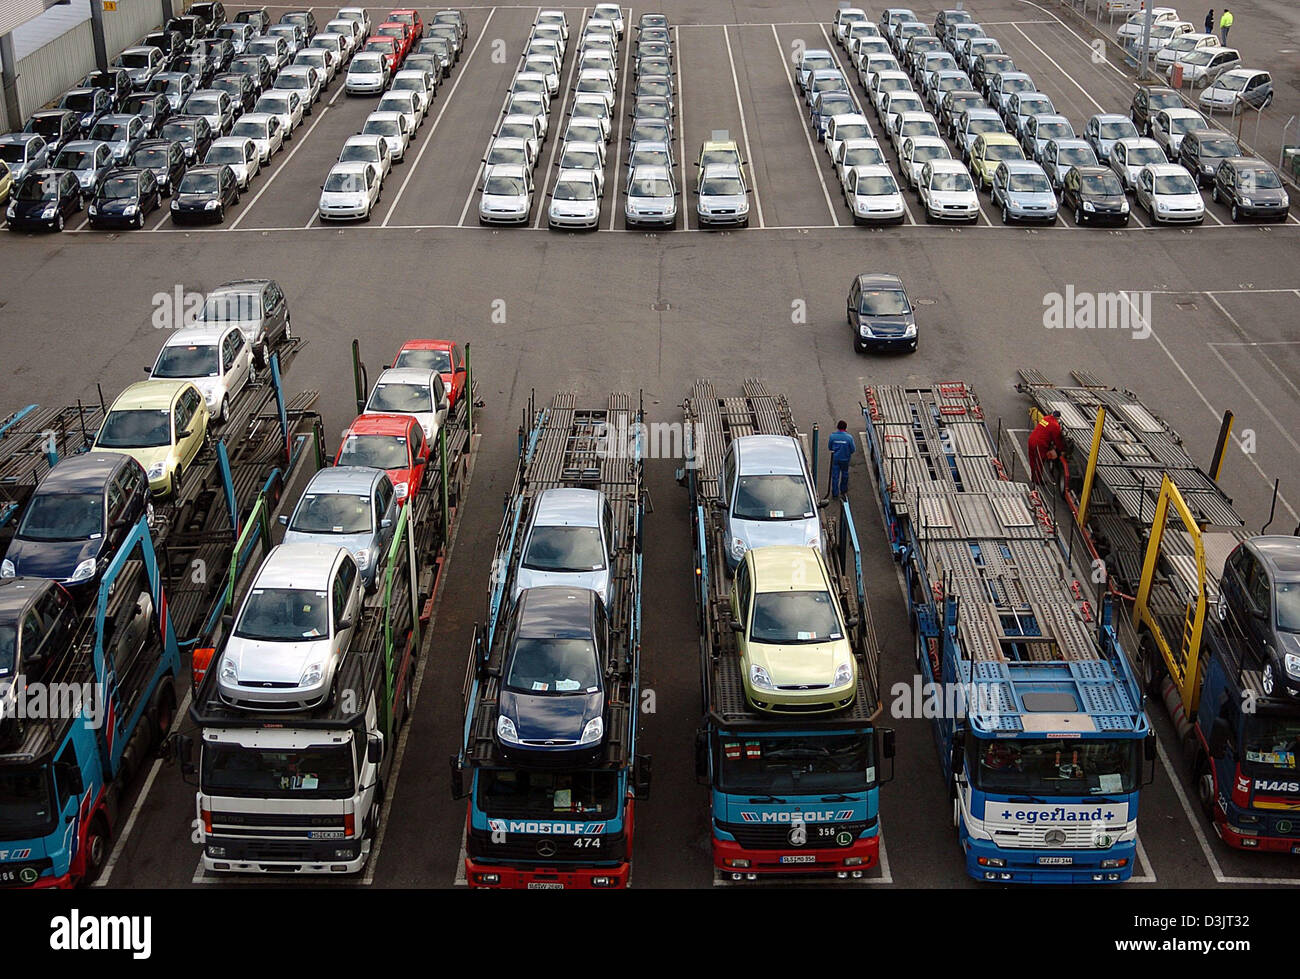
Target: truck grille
777 837
1077 837
546 851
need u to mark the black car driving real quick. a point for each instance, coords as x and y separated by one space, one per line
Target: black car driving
125 199
880 314
1094 194
205 193
166 158
194 133
1261 588
44 199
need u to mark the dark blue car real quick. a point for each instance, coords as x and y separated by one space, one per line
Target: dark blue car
552 700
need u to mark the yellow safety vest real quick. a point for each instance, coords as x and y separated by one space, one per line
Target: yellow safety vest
1225 20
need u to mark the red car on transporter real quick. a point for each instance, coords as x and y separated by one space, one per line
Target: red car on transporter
389 47
443 356
394 443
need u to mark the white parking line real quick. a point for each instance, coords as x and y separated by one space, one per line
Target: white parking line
555 142
1056 64
1232 320
428 137
812 151
298 141
744 130
474 188
620 107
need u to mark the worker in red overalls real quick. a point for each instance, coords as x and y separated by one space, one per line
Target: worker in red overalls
1046 441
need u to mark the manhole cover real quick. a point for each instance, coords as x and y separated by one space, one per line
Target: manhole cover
661 307
926 302
1186 307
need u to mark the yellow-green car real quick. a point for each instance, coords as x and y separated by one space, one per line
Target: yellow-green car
6 182
795 654
160 424
988 150
719 151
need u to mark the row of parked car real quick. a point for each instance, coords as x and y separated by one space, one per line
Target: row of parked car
404 60
952 80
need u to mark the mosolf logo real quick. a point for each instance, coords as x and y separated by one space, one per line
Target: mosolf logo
544 828
102 933
814 816
15 854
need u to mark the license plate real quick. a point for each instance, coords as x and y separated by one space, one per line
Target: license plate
1055 861
325 834
800 858
544 885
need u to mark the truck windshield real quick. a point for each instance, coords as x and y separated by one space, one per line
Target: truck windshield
1054 767
1272 743
794 764
317 771
26 805
579 795
565 549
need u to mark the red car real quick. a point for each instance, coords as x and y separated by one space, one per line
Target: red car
442 356
406 15
389 47
394 443
402 34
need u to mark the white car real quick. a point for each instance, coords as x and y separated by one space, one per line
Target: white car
367 74
301 79
216 360
530 104
649 153
581 130
1168 127
1180 47
611 12
509 151
349 30
872 194
917 151
722 196
1132 28
325 61
522 127
534 82
575 200
597 81
392 126
264 130
857 153
948 192
894 104
412 391
1163 34
547 67
404 103
240 153
590 106
350 191
288 107
584 156
597 58
1169 194
1131 154
847 125
555 18
912 124
359 15
541 45
651 198
420 83
845 18
507 196
368 149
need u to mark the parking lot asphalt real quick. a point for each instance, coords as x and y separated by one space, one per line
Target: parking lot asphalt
649 312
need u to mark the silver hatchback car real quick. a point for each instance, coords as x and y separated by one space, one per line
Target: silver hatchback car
570 541
768 496
347 506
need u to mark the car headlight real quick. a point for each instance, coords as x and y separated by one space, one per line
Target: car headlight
312 674
1292 664
363 558
49 211
7 569
506 730
737 548
1248 202
211 205
176 205
92 210
229 671
593 732
156 470
1088 206
758 678
814 540
12 211
910 331
129 210
85 570
843 674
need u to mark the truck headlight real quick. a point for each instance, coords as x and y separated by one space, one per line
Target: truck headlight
843 674
1293 664
758 678
156 470
506 730
593 732
312 674
7 569
85 570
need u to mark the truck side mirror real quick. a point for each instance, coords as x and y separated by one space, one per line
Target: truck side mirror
702 757
888 742
641 776
375 749
957 761
185 753
457 778
71 774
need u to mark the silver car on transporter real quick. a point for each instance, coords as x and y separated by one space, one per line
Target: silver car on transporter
767 492
570 541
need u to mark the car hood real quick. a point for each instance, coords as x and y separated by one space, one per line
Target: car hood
355 543
30 209
650 203
503 200
1180 200
886 326
880 200
341 197
1113 202
196 201
557 718
597 581
113 205
575 208
1033 199
709 202
811 664
273 662
770 533
953 196
1269 195
51 559
146 456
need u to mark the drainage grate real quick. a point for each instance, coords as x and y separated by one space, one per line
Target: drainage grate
662 307
1187 307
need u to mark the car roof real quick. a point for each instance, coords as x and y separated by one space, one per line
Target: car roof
406 375
426 344
1165 169
82 472
510 169
364 139
786 568
1279 552
872 170
298 565
568 507
344 479
555 610
381 423
652 171
18 594
583 176
720 169
149 394
198 336
1180 112
352 166
880 280
946 166
83 144
1021 166
240 141
1139 142
999 139
768 454
21 138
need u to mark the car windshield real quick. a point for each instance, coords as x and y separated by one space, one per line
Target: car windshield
1286 596
1162 30
1141 155
791 617
182 132
360 153
1054 130
1030 183
39 189
315 772
1003 151
78 101
400 396
929 151
199 183
75 160
1055 767
63 517
575 190
1175 183
553 666
425 359
119 188
565 549
12 153
776 496
580 159
816 62
542 794
333 513
133 59
110 131
272 103
876 186
367 63
599 110
291 81
1101 184
794 764
1185 124
919 127
884 302
44 125
516 130
345 183
186 361
226 154
862 156
1201 56
408 85
1260 178
375 451
505 185
203 104
650 187
853 130
893 85
984 125
947 182
140 428
1012 85
1076 156
722 186
284 615
1232 83
26 804
252 128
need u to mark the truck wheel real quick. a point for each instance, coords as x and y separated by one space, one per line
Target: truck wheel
164 714
98 839
1205 786
1149 660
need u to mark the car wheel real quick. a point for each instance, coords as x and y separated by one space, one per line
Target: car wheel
262 357
223 415
1006 218
138 223
1215 193
1235 213
58 221
859 346
178 480
1078 216
288 328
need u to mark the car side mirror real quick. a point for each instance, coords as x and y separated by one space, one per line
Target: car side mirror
284 519
345 623
185 434
737 626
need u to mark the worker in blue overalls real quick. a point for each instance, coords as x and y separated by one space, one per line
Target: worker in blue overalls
841 448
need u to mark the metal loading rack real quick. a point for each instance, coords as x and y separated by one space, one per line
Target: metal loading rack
974 536
1136 450
563 445
31 441
712 422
